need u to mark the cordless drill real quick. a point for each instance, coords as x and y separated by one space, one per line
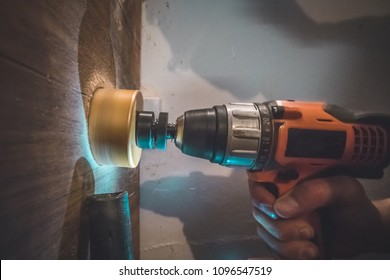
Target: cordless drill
279 142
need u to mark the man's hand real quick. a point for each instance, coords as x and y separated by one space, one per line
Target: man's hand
351 224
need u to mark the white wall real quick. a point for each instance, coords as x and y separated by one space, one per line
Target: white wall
200 53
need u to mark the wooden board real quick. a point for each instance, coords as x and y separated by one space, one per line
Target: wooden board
53 55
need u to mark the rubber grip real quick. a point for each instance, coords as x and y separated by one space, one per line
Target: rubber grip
374 118
348 116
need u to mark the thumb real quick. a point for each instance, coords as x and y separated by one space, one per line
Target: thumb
310 195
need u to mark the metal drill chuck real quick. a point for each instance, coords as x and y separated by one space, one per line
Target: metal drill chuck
236 134
244 132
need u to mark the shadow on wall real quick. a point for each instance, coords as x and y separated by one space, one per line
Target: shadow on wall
221 228
266 46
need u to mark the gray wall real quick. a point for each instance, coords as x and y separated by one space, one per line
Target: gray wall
197 54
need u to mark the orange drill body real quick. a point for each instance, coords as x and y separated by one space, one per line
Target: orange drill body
279 142
351 145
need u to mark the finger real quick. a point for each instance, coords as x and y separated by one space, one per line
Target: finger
310 195
292 250
262 198
285 230
260 193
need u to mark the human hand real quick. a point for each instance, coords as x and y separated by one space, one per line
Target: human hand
350 222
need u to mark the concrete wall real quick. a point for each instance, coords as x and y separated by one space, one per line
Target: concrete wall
196 54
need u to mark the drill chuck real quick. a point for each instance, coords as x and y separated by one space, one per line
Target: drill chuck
203 133
235 134
229 135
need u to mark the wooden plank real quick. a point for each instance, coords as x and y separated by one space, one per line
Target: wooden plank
52 58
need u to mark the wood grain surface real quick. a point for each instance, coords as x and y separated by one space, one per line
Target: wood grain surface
53 55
